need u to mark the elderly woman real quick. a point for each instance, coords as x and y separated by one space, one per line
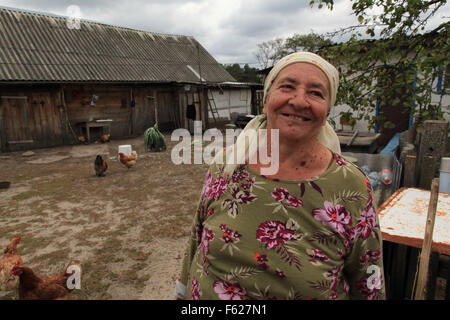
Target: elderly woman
308 231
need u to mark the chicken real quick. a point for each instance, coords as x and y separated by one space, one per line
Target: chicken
9 260
62 278
129 160
33 287
100 166
105 138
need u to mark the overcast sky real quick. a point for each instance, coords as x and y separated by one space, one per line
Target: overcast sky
229 29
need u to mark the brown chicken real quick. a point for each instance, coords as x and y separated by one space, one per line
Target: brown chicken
100 166
9 260
105 138
32 287
129 160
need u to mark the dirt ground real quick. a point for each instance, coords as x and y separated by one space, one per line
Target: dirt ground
128 230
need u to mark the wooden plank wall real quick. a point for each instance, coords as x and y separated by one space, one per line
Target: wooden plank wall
30 118
115 102
41 116
109 102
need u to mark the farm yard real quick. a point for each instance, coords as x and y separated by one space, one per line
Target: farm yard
127 230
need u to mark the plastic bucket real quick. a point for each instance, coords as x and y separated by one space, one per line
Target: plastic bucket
444 176
125 149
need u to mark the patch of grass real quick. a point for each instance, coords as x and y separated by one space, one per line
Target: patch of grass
95 281
51 187
26 195
53 258
11 231
97 231
31 245
131 277
173 227
26 176
138 255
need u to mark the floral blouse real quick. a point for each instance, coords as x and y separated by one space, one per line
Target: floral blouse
257 238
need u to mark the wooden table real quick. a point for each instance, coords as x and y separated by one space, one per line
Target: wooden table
403 217
95 124
402 220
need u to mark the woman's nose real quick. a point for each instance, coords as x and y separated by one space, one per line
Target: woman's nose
299 99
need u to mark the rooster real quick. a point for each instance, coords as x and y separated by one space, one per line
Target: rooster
9 260
129 160
33 287
100 166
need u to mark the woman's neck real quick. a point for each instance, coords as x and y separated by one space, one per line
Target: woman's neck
299 159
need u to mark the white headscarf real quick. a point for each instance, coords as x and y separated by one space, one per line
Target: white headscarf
327 136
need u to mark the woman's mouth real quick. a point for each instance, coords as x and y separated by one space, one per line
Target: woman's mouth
300 118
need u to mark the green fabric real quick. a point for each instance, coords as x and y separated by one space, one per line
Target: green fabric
254 238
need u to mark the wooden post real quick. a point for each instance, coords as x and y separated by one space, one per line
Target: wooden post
427 241
185 103
433 139
205 108
201 107
66 116
409 168
197 106
155 95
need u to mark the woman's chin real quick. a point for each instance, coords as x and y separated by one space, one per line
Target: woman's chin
297 134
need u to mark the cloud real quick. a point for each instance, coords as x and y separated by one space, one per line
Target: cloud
230 30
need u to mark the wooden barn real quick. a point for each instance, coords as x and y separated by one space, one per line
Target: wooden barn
60 84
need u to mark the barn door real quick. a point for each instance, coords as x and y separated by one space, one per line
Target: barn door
15 121
167 110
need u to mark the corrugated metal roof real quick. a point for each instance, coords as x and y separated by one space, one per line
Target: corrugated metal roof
41 48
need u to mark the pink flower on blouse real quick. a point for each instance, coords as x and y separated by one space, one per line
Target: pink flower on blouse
273 233
334 275
345 287
216 188
294 202
195 294
366 222
239 175
207 236
336 217
280 194
369 293
229 290
339 160
370 256
317 254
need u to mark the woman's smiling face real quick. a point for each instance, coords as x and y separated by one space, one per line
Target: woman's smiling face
298 100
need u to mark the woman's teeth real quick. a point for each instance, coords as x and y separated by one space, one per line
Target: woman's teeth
296 117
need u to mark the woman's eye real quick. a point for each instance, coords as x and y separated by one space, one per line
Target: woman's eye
317 93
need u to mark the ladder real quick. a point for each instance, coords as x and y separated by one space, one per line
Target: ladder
212 106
